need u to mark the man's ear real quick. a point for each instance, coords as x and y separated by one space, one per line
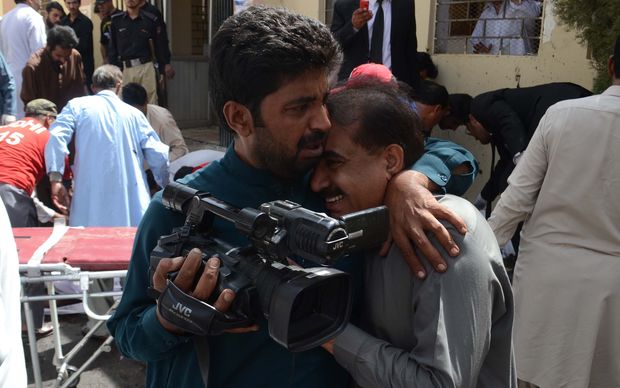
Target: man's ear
239 118
611 63
395 158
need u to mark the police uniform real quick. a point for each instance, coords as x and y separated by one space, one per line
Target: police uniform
106 24
135 44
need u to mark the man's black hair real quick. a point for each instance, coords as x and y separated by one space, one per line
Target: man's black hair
425 62
134 94
257 50
431 93
383 115
62 36
617 58
460 107
55 5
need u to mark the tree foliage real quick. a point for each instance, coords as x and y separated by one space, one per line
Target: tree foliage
597 23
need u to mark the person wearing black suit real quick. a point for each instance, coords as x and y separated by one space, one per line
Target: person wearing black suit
353 28
507 118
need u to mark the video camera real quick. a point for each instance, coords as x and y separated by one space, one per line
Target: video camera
305 307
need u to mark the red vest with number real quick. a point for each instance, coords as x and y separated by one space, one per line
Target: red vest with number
22 153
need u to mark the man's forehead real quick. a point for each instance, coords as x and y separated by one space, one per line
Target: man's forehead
340 141
308 85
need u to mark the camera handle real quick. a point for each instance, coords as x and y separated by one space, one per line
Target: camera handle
195 316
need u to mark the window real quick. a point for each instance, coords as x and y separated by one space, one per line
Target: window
509 27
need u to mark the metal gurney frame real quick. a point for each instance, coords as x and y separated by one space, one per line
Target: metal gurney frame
47 257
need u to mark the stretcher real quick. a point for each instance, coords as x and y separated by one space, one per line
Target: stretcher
77 254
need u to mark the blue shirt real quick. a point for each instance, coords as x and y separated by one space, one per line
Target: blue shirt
112 140
7 89
250 360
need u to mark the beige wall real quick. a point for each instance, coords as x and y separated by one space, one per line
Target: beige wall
315 9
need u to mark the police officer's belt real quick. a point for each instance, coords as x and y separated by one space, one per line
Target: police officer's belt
135 62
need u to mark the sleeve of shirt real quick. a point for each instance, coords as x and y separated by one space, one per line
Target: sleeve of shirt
478 33
341 26
163 45
44 213
77 88
61 133
505 121
451 329
103 39
88 58
113 58
37 36
7 89
527 8
518 200
134 325
171 135
155 152
28 90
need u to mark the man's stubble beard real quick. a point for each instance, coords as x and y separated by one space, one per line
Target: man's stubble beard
274 157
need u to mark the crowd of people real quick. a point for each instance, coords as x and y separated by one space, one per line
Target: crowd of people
338 121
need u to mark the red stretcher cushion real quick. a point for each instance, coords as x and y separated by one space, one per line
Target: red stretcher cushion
91 249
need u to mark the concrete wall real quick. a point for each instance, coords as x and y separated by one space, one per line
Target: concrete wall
312 8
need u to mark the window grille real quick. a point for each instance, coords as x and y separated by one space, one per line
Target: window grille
509 27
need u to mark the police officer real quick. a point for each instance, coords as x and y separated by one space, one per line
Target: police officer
106 9
137 41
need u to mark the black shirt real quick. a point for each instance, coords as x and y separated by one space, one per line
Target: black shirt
83 28
106 24
130 38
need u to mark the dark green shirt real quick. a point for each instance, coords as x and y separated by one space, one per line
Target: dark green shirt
237 360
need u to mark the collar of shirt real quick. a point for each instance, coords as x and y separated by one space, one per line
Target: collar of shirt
613 90
107 92
387 28
126 16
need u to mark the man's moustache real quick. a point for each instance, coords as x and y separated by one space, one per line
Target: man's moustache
315 138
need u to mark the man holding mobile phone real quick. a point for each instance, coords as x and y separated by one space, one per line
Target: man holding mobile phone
377 31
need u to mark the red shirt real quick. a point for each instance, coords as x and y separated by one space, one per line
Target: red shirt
22 153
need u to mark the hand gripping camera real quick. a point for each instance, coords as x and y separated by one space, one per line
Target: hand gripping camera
304 307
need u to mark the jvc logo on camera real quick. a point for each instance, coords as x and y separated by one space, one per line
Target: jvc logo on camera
183 310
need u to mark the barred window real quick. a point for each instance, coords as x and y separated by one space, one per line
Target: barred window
508 27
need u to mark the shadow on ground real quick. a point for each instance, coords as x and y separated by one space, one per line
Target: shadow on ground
109 370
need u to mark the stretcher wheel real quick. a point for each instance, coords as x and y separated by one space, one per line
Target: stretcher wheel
70 371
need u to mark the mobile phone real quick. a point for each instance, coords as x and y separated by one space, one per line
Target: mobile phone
364 4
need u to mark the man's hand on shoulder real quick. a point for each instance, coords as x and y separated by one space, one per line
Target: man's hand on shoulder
414 211
188 268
